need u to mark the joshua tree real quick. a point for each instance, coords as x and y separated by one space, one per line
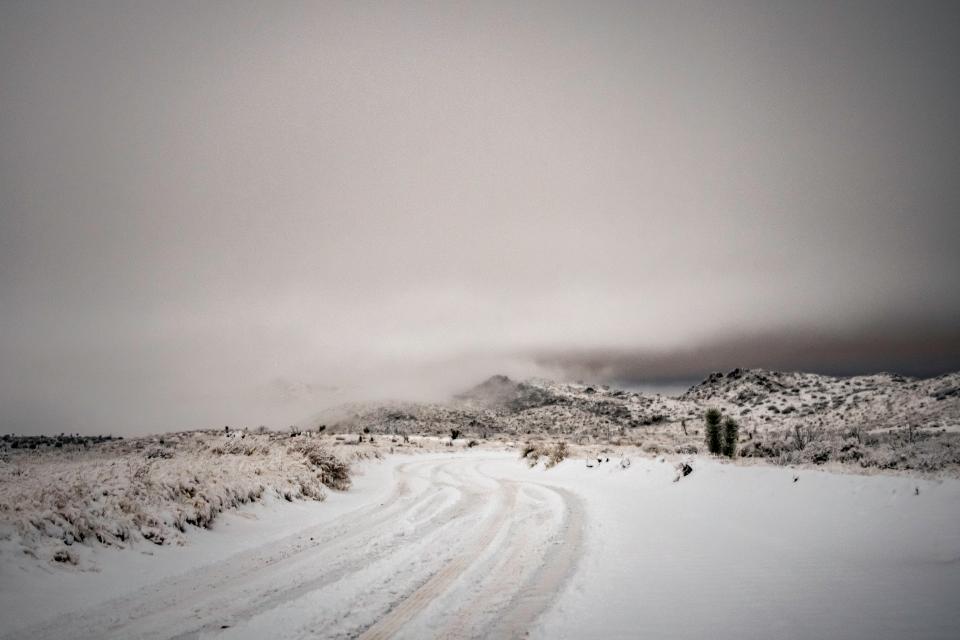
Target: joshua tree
731 431
713 430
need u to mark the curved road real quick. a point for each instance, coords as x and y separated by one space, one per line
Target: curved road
453 552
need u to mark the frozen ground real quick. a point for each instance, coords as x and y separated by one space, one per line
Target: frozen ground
475 544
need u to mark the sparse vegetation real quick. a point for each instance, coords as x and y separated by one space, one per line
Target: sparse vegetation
553 454
153 488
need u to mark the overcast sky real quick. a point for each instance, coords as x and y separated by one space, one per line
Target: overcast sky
207 206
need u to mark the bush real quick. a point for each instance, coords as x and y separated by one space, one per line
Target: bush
557 454
334 472
653 448
818 452
851 451
554 454
712 418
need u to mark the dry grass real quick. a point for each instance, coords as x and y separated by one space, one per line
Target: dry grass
552 454
145 490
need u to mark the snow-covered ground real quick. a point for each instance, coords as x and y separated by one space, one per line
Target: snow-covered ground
475 544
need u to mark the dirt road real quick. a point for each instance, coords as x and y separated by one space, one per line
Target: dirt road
453 552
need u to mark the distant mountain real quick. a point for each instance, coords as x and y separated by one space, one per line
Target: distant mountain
758 399
500 393
882 420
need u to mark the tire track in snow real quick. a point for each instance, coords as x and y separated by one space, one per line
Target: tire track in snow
209 587
542 569
535 597
439 582
504 550
499 578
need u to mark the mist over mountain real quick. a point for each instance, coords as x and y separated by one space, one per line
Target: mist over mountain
397 200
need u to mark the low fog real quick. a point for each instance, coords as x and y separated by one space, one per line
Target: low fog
243 213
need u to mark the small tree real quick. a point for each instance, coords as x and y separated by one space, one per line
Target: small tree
800 437
731 432
713 431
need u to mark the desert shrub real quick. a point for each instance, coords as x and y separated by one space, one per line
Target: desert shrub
818 452
554 454
334 472
158 452
472 443
557 454
686 449
855 432
785 458
883 457
455 433
713 438
850 451
237 447
761 447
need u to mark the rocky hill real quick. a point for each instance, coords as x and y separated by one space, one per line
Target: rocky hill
779 413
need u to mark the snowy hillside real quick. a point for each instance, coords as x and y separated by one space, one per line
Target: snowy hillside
882 421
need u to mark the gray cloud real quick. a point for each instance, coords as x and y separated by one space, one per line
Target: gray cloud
199 200
916 350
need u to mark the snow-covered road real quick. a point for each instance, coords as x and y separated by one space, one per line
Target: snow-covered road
451 551
475 544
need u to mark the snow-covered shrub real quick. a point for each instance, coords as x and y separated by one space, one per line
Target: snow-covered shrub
237 447
554 454
125 492
817 452
851 450
652 448
334 472
766 447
